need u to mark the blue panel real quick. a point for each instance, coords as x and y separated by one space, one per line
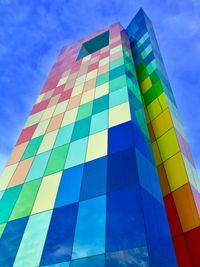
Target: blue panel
90 228
94 178
59 241
95 261
120 137
122 170
137 257
10 241
125 222
69 189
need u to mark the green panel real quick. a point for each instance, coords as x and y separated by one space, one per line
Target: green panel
117 83
8 201
26 199
103 78
57 159
143 75
116 63
100 104
2 227
153 92
85 110
81 129
32 148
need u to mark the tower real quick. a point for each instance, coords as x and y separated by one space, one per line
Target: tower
81 187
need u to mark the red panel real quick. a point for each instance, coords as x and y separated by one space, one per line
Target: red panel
26 134
59 89
40 106
193 242
174 222
181 249
65 95
93 66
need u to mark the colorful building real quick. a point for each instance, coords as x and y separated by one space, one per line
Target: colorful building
101 149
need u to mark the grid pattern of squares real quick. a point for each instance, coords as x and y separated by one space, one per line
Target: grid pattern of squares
80 187
178 177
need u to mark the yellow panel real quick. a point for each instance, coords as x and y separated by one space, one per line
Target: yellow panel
61 107
154 109
2 227
39 99
33 119
103 61
69 117
47 193
41 128
168 144
6 175
163 101
146 84
176 172
186 208
48 141
162 123
48 113
156 153
102 90
87 58
91 75
97 145
119 114
80 79
77 89
87 96
62 81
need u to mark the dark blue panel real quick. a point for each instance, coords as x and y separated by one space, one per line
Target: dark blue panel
10 241
158 237
128 258
60 236
122 170
125 222
69 189
121 137
96 261
94 178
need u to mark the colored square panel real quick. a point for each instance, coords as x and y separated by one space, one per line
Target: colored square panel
118 97
17 153
48 141
186 208
92 74
7 202
102 90
97 145
41 128
55 123
81 129
70 185
21 172
192 241
26 134
74 102
87 96
88 222
10 241
64 135
182 255
119 114
115 73
103 78
78 89
2 227
48 113
32 243
85 111
65 95
163 180
116 63
33 119
100 104
60 108
154 109
162 123
176 172
32 147
69 117
156 153
47 193
77 152
58 246
89 84
6 175
25 200
38 167
168 144
99 122
94 178
146 84
57 159
122 170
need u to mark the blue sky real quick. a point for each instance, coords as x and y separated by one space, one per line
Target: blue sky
33 32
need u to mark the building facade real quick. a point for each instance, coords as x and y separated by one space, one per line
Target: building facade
101 149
